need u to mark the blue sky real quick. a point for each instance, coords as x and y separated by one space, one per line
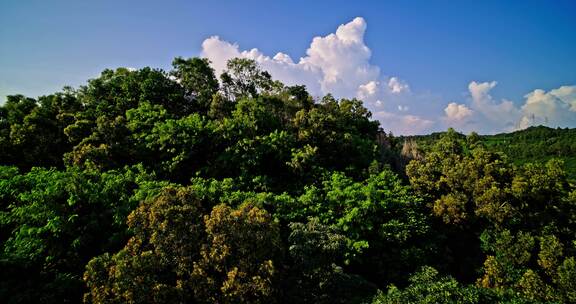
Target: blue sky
437 48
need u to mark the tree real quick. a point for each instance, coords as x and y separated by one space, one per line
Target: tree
427 286
54 222
464 186
99 132
167 187
181 254
243 79
317 275
198 79
341 130
237 264
386 227
31 131
511 209
155 265
514 265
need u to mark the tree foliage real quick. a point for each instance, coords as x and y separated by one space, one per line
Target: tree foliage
151 186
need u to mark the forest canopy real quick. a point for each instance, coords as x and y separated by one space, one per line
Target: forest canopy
182 186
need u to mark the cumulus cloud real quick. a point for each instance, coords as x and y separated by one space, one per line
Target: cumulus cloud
496 116
343 59
339 63
457 113
397 86
556 108
280 66
368 90
483 114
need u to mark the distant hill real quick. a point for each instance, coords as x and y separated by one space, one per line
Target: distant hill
534 144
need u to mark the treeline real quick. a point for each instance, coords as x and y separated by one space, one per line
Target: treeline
148 186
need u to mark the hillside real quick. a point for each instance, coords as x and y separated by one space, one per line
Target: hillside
534 144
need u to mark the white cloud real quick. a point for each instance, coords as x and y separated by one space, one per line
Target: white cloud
219 52
343 59
339 63
566 94
480 91
459 117
489 115
554 108
457 113
368 90
404 124
499 115
397 86
280 66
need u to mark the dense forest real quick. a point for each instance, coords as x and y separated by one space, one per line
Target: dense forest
181 186
535 144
